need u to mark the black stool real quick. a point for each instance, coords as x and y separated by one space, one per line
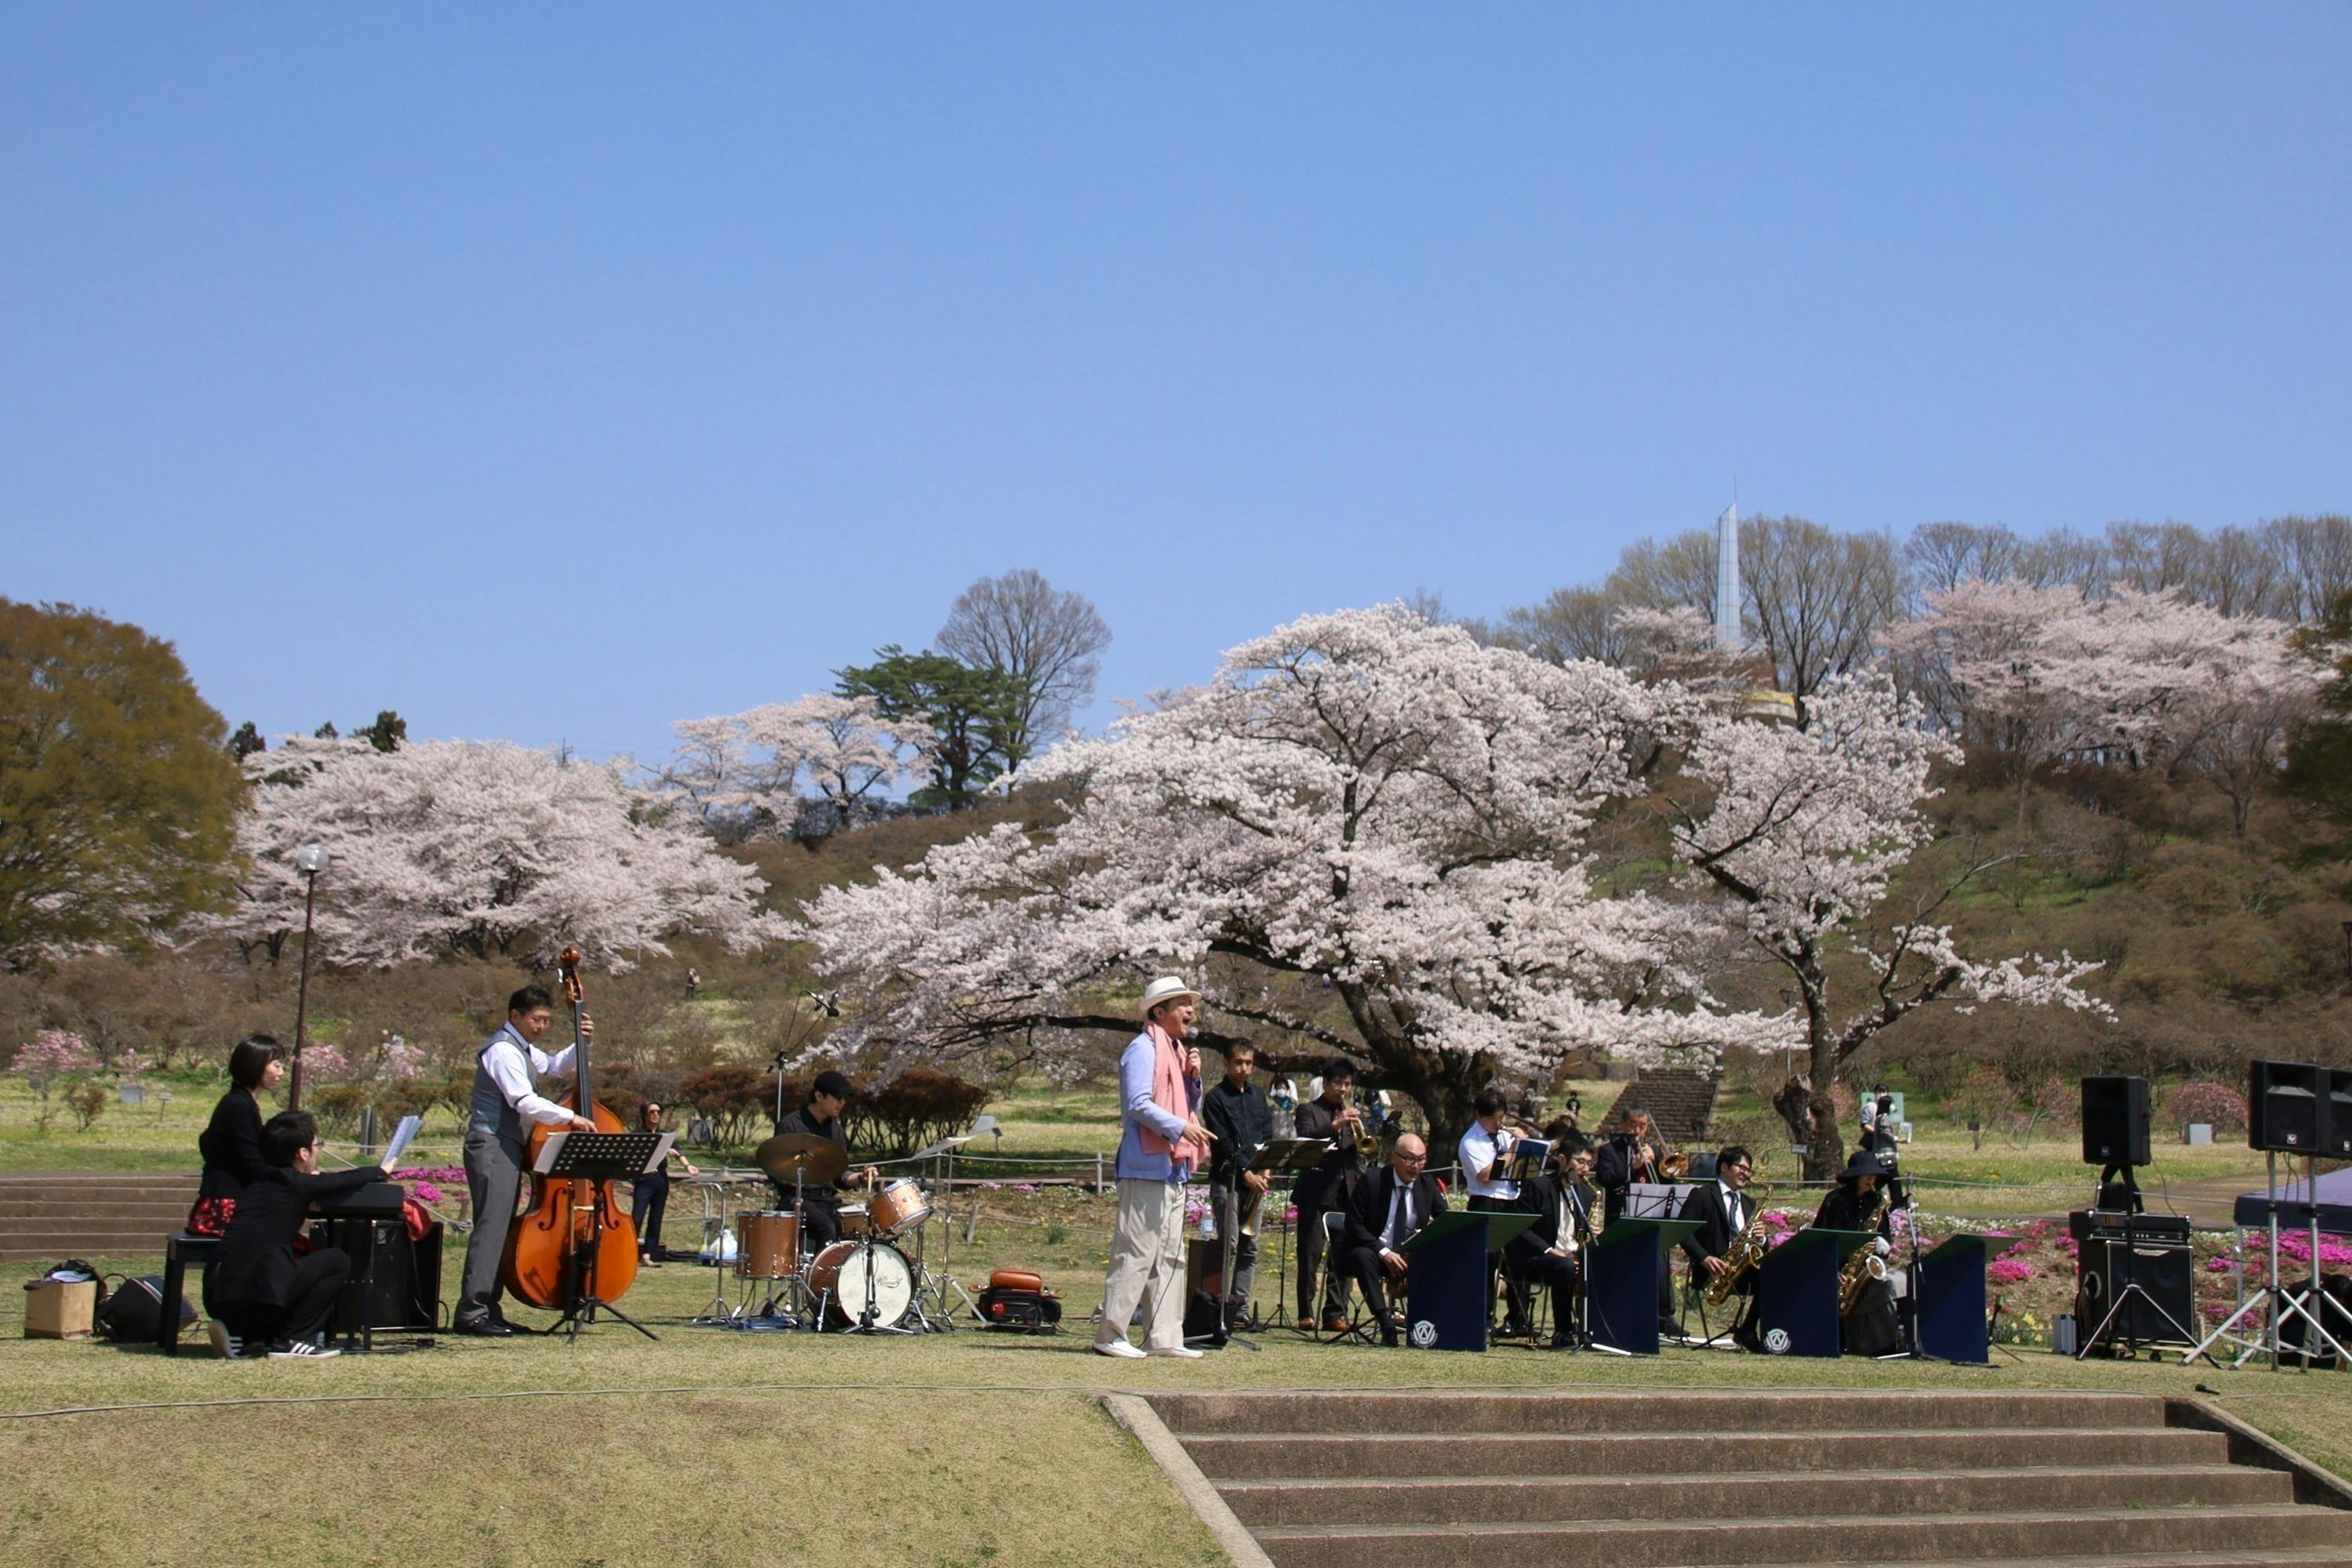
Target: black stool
179 1251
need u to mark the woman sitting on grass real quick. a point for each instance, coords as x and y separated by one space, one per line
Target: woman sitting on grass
261 1292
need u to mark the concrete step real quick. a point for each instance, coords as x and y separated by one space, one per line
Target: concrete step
1349 1412
1406 1500
144 1207
1265 1455
138 1240
2035 1537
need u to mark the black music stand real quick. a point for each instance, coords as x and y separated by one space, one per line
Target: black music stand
597 1157
1289 1157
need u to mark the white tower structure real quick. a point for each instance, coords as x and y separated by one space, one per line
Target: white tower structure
1727 579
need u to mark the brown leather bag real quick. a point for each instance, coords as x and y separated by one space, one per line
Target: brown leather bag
1017 1279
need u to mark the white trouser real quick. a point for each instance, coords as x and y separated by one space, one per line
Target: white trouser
1147 1265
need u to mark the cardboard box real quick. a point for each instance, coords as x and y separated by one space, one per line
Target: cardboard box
61 1308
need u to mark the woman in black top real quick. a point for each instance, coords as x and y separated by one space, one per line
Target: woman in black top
231 1142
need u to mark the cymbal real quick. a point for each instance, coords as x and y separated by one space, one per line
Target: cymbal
802 1154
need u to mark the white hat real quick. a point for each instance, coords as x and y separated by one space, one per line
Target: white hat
1167 988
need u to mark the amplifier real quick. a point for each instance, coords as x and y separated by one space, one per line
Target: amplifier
2159 1313
2084 1224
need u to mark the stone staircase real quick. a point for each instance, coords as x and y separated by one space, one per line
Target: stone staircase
44 1219
1681 1099
1763 1479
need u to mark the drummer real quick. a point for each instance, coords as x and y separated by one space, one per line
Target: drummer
821 1201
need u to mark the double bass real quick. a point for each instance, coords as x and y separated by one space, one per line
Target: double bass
575 1229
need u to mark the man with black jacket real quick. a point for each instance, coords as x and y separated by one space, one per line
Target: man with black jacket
1723 1210
1387 1208
1324 1190
820 1118
1237 1114
263 1293
1550 1251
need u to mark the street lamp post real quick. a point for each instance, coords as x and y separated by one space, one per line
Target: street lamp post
311 860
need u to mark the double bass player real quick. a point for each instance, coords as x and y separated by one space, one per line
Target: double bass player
506 1103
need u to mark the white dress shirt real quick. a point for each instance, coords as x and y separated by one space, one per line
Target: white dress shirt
513 1065
1475 1152
1732 1209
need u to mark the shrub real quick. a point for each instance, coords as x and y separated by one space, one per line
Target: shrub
735 1097
86 1100
914 1109
2217 1103
338 1105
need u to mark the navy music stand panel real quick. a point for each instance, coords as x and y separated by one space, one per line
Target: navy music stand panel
1951 1300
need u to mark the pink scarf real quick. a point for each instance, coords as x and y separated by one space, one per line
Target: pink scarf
1168 1092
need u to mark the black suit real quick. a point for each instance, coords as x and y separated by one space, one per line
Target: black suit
1718 1229
1319 1191
1529 1257
1368 1219
1613 1171
258 1288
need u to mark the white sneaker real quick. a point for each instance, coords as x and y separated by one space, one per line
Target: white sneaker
226 1345
1185 1351
305 1350
1118 1348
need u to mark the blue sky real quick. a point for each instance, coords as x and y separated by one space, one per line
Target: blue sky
563 371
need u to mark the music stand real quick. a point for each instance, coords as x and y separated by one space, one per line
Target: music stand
597 1157
1529 1157
1289 1157
1271 1160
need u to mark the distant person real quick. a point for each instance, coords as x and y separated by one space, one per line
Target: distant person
693 983
230 1144
1161 1141
649 1194
261 1294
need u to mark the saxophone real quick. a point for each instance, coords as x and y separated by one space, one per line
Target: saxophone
1746 1252
1866 1265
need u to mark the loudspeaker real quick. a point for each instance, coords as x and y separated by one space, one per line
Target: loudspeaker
404 1286
2115 1119
2286 1106
2335 1115
2163 1270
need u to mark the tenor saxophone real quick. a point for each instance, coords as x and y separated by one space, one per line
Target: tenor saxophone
1866 1265
1746 1252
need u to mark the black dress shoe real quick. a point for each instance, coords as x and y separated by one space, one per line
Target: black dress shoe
1389 1329
483 1328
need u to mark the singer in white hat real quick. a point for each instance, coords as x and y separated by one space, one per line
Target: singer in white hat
1161 1141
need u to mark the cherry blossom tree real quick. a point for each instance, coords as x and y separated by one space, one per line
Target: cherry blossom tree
1366 802
1803 831
444 847
2050 674
741 774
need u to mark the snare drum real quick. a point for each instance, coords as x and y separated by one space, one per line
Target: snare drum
898 1207
853 1222
768 1244
850 1277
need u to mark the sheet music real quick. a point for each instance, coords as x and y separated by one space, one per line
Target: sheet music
402 1137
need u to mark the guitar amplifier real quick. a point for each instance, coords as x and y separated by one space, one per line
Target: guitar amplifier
2161 1310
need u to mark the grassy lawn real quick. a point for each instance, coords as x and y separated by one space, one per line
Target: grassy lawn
714 1448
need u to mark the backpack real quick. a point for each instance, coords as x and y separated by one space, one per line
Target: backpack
133 1314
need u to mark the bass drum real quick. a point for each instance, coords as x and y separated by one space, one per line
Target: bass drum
843 1273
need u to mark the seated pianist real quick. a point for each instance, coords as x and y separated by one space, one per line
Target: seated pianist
263 1295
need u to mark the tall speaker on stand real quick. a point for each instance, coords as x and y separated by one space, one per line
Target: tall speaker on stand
2291 1108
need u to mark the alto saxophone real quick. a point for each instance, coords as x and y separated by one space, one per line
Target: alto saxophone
1746 1252
1866 1265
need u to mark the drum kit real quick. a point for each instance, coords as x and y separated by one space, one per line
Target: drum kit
871 1281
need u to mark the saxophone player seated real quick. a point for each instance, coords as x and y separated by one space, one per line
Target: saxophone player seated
1724 1210
1861 1200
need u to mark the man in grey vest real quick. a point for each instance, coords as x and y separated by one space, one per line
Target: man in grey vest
506 1103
